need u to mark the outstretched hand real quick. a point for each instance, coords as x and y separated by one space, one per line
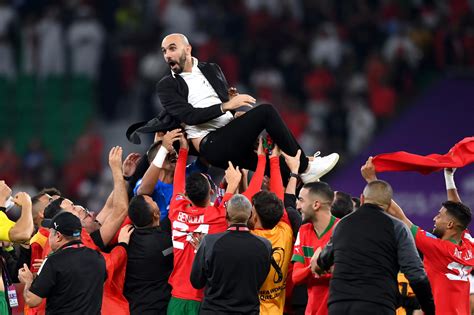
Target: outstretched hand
130 164
293 162
368 171
232 177
183 142
275 152
125 233
196 239
170 137
5 192
260 150
22 199
237 101
115 159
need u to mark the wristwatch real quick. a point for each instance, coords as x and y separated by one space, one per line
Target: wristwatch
294 175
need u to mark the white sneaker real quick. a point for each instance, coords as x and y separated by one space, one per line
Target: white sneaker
319 167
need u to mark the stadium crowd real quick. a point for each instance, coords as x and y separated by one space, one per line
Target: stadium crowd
329 67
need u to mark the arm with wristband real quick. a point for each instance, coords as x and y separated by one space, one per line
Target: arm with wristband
450 185
155 170
179 180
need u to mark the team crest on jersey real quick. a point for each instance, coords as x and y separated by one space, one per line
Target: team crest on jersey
180 197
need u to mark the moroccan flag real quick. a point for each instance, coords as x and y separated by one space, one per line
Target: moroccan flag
460 155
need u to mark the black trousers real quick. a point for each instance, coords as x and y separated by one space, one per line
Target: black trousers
359 308
235 141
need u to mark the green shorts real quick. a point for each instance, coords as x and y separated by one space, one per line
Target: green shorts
180 307
3 303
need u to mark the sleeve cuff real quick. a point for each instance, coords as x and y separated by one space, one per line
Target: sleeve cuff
124 245
297 258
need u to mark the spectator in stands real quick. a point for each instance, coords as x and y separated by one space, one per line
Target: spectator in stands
327 48
7 21
9 163
150 259
51 55
72 278
85 38
232 265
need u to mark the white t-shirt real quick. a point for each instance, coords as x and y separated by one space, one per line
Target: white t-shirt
202 95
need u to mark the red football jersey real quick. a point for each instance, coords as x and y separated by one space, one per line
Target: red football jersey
187 219
306 244
447 265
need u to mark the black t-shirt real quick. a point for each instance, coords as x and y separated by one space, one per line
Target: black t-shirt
72 281
149 265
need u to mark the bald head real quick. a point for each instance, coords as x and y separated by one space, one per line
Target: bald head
239 209
378 192
176 38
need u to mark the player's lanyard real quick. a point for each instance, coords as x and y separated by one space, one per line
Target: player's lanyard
238 228
9 286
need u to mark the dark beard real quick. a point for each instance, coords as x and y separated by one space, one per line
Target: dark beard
437 233
181 63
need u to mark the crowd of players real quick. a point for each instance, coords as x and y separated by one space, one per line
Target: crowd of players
169 240
151 255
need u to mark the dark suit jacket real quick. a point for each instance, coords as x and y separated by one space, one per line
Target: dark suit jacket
173 93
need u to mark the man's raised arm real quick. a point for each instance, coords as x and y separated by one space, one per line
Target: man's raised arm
450 185
369 174
23 228
154 171
119 198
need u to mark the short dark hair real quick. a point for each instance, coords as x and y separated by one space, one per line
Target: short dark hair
52 191
139 211
342 205
269 208
151 153
35 199
53 208
356 202
322 189
197 189
459 211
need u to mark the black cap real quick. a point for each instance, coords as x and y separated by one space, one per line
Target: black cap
66 223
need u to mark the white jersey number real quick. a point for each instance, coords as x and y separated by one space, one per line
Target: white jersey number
461 274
